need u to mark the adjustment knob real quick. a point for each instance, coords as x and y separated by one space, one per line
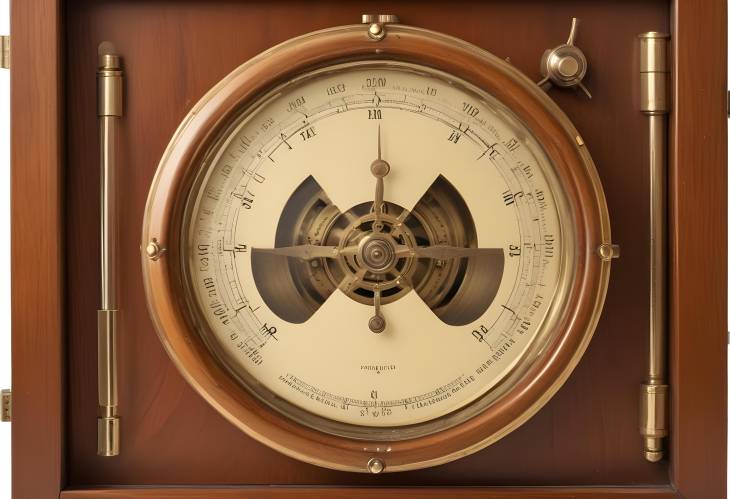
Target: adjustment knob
377 23
565 65
380 18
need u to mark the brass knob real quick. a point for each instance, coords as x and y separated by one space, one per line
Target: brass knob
377 23
376 466
565 65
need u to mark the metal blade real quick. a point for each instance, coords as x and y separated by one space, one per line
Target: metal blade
303 251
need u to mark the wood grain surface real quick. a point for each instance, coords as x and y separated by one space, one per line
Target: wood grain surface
37 235
173 52
698 250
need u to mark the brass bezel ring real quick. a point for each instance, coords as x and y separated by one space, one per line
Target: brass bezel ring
536 384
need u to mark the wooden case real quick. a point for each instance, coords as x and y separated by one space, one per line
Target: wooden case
584 443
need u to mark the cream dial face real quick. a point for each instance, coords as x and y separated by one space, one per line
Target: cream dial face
334 307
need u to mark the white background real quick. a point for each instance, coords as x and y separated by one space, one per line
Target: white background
5 381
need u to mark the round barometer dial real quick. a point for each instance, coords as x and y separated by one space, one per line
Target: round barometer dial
375 247
375 243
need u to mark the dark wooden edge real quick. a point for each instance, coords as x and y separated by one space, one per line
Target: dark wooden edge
380 493
37 248
698 249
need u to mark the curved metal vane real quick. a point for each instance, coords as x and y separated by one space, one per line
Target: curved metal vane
376 256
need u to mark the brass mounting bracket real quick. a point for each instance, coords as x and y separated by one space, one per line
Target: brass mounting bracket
377 24
654 74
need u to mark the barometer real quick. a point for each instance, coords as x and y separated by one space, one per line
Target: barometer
376 247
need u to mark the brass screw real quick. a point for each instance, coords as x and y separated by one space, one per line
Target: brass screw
376 31
609 251
154 250
376 466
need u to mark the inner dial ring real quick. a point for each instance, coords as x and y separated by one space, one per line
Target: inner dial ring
461 260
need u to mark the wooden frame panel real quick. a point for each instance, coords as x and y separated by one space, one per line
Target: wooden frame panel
698 298
36 86
698 249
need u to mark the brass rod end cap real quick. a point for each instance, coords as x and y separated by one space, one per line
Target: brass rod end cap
108 58
108 436
653 449
653 456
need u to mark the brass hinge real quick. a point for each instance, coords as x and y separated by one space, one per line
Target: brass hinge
5 51
6 411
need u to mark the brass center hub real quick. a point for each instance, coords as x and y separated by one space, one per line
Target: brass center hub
377 253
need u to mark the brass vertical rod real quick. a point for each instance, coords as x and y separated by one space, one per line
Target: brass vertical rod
657 217
109 79
654 73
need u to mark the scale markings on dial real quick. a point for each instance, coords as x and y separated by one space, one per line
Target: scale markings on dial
290 256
